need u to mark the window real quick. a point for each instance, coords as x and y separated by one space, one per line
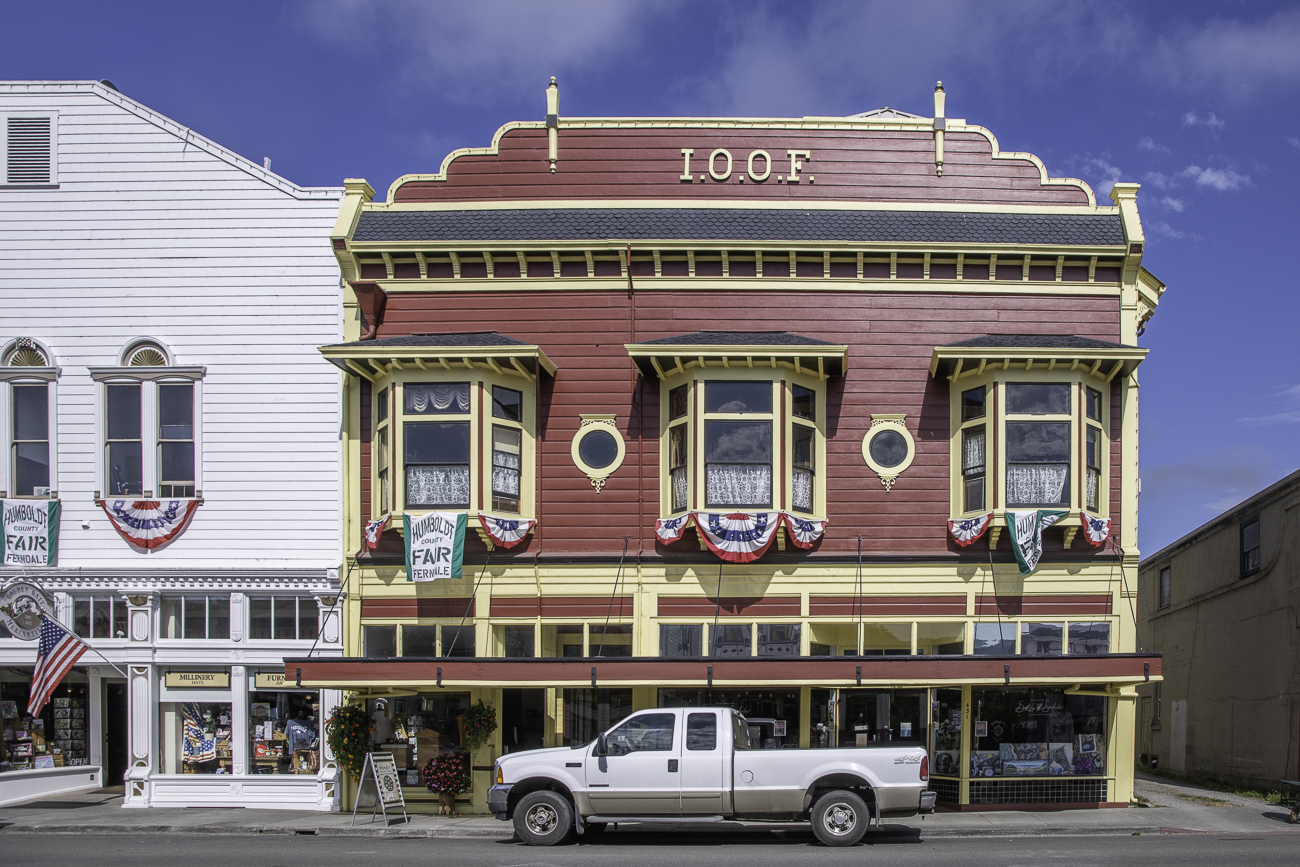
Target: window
678 400
680 641
30 151
195 738
778 639
283 618
1094 437
419 641
195 617
1040 639
940 639
518 642
283 732
737 444
1038 452
607 641
124 446
176 439
731 640
31 439
1164 587
1249 547
379 642
647 732
995 639
383 444
99 617
458 641
974 434
701 731
151 425
1089 639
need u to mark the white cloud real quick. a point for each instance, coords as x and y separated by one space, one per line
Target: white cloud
1220 179
1240 59
1146 143
1100 173
1287 401
1159 227
1213 121
1160 180
1173 204
1293 141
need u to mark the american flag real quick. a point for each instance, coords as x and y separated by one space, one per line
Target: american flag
57 651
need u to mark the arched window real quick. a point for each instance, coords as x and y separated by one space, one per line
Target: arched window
27 408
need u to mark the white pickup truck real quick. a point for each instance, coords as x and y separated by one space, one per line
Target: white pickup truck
696 765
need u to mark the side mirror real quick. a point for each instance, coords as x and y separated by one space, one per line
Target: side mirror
602 745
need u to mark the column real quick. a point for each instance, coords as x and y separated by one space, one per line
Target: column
238 720
963 795
141 698
331 622
95 716
331 793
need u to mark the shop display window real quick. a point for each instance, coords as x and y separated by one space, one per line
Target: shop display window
772 714
417 728
731 640
880 717
588 712
195 737
945 733
379 642
1040 639
681 640
1036 733
886 639
283 732
995 639
1089 639
778 639
54 738
940 639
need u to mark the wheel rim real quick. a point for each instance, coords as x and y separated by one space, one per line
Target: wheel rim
541 819
840 819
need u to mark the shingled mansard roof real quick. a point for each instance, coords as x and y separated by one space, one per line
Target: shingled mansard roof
738 338
1036 341
739 224
466 338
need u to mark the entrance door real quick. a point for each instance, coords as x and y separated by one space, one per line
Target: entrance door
523 719
640 776
115 733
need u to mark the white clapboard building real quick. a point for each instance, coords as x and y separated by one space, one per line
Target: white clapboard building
163 299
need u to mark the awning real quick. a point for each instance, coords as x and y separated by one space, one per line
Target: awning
742 349
1100 358
406 674
438 352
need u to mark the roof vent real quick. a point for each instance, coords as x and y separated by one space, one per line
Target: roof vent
29 152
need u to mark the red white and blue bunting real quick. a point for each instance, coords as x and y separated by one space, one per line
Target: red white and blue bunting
375 529
669 530
966 531
738 537
506 532
150 524
1095 530
804 532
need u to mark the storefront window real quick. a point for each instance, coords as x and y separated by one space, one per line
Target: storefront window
518 642
1040 639
458 640
772 714
1037 733
995 639
886 639
778 639
195 738
379 642
833 639
731 640
680 640
612 640
419 641
416 728
1088 639
588 712
283 733
940 639
54 738
945 733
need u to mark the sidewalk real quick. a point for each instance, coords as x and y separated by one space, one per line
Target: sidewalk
1181 809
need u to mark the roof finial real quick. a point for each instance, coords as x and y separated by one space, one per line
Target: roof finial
940 124
553 122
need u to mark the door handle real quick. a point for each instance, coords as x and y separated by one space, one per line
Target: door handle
672 766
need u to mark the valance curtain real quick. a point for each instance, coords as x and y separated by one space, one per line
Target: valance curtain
437 397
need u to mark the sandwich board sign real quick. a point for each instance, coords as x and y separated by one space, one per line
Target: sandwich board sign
380 771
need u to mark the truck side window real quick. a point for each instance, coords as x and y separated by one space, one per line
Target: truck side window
740 732
701 731
647 732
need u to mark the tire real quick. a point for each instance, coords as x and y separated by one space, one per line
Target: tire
543 818
840 818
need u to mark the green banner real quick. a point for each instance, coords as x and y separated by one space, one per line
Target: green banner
435 545
30 529
1027 535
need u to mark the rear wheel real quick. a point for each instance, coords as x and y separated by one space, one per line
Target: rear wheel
840 818
543 818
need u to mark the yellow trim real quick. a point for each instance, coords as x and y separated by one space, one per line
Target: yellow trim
747 356
468 357
605 422
1100 361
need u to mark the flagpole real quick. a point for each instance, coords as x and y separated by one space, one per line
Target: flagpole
106 659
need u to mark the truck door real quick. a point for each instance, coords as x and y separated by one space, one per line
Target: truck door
640 776
702 765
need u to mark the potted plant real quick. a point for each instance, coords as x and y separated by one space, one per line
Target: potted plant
448 774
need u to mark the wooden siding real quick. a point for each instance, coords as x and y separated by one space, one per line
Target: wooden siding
696 606
644 163
420 606
890 338
886 606
561 606
1032 606
155 233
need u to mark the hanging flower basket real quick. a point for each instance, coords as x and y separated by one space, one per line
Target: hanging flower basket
480 723
347 731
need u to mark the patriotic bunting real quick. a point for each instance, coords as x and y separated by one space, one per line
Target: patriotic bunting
375 529
150 524
804 532
738 537
669 530
1096 530
966 531
506 532
195 747
1027 535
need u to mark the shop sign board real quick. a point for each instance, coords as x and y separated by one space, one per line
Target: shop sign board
269 680
30 529
22 607
197 679
435 545
380 771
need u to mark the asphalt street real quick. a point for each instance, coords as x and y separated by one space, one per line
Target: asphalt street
742 849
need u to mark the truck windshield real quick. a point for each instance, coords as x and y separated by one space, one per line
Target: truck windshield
740 732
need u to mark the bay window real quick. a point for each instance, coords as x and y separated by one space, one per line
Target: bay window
974 436
737 444
383 443
1038 451
678 430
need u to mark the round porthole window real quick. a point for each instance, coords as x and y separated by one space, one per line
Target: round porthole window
598 449
888 448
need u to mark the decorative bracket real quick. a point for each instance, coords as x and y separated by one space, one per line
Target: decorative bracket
371 301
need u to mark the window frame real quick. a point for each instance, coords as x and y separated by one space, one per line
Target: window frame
382 442
20 378
1164 587
995 423
276 599
783 423
1243 552
480 419
186 598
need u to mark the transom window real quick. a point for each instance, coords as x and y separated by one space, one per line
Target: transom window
283 618
195 617
99 617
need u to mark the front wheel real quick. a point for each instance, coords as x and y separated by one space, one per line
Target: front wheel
543 818
840 818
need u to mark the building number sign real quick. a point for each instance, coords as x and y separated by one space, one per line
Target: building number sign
758 166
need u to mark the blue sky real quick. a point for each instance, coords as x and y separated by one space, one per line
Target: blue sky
1196 101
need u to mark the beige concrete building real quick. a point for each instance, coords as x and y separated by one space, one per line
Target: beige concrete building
1223 605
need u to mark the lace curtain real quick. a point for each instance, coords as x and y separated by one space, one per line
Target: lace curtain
437 486
505 474
437 397
738 484
801 494
1094 489
1036 484
679 488
973 452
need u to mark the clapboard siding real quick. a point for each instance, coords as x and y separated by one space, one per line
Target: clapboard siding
154 232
